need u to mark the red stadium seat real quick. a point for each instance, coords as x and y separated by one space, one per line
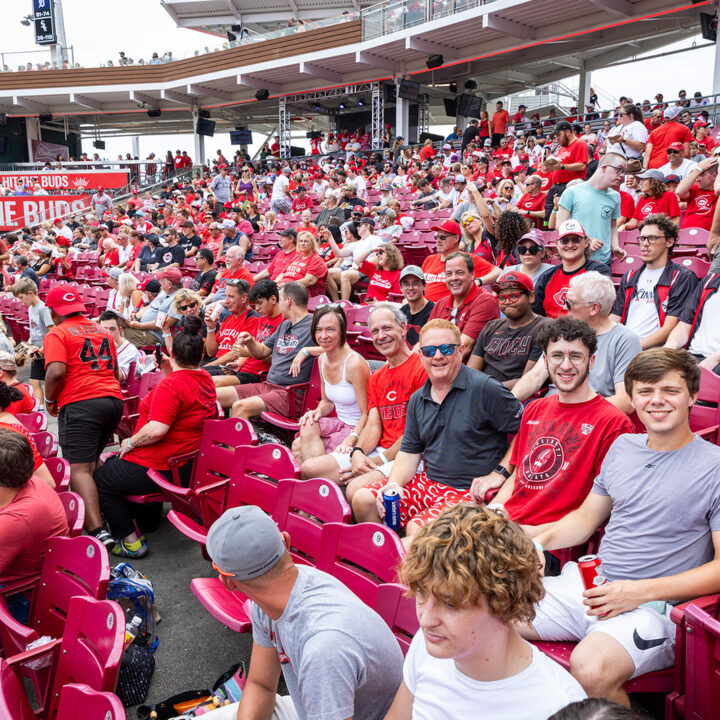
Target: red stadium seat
74 507
59 469
697 265
79 700
398 611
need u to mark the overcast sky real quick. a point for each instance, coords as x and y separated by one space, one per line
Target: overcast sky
98 30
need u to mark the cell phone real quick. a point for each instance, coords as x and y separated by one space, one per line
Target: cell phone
158 353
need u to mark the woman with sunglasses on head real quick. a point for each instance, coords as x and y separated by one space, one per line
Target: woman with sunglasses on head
573 247
532 253
475 236
187 303
505 197
654 198
344 376
383 268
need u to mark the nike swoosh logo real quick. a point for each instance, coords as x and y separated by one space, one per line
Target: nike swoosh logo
643 644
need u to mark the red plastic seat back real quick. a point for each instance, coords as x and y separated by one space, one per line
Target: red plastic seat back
34 421
398 611
699 266
14 704
59 469
256 483
301 509
705 412
91 647
81 701
72 567
702 664
74 511
46 443
361 556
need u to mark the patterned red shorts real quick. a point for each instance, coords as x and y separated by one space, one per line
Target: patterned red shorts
424 499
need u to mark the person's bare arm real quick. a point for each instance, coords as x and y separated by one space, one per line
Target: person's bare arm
530 382
258 695
658 338
620 399
476 362
679 336
646 155
563 214
402 705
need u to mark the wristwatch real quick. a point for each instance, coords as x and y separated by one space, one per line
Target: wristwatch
355 449
502 471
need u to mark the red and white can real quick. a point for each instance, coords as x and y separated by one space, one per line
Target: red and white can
591 571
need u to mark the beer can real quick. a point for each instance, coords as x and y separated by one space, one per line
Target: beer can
391 501
591 571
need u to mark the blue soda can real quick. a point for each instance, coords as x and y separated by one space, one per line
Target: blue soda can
391 501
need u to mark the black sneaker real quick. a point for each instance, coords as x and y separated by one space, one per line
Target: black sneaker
104 537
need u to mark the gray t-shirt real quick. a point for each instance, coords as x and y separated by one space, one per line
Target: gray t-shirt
338 657
161 304
665 505
285 343
40 322
616 348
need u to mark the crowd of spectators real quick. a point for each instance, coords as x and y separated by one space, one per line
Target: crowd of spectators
520 386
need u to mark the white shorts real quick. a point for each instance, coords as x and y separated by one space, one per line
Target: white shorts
647 636
284 710
344 462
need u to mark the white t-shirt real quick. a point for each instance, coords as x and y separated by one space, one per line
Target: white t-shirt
360 185
681 170
633 131
362 248
280 187
642 314
707 337
442 691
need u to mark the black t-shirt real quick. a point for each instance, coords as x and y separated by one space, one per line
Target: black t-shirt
348 205
169 255
188 243
416 321
507 350
469 134
204 281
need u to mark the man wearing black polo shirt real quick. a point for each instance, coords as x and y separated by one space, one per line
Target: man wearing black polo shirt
470 308
457 422
506 348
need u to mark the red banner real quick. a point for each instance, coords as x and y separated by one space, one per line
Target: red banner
16 212
71 180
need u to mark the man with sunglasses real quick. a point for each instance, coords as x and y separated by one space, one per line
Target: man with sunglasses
468 307
677 164
573 249
506 348
563 437
595 204
663 137
697 190
457 422
532 203
651 299
171 256
447 241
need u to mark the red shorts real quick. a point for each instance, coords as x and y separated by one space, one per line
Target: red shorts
275 397
424 499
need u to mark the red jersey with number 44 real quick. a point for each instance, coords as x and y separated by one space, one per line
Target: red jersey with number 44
88 352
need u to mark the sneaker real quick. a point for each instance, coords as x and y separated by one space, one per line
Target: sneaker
104 537
130 550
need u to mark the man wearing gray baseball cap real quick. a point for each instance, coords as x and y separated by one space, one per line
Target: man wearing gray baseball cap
338 657
417 309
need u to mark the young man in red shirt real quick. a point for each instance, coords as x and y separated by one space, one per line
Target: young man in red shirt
447 241
570 162
563 437
82 389
469 307
532 203
697 190
499 122
660 139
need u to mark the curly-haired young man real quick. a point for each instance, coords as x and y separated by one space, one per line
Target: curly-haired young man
475 575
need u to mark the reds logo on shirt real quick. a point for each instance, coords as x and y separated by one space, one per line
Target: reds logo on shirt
167 257
559 297
703 204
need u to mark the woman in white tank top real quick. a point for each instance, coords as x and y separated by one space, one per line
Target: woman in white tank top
344 375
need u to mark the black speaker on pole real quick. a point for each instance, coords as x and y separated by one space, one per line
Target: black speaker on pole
389 92
708 27
45 117
262 94
154 112
434 61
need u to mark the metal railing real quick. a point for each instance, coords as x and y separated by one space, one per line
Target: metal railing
392 16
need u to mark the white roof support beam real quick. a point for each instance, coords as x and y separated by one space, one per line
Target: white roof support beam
431 48
176 97
616 7
320 72
235 10
31 104
509 27
366 58
85 101
204 91
259 83
143 98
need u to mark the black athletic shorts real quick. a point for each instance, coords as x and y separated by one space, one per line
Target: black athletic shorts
85 427
37 369
243 377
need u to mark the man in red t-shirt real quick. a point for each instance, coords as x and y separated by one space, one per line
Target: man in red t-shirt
242 318
468 307
389 390
563 437
288 253
447 241
696 189
302 200
532 203
570 162
82 389
499 122
661 138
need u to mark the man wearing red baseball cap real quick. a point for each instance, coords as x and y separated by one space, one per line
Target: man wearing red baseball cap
677 164
507 348
447 241
82 389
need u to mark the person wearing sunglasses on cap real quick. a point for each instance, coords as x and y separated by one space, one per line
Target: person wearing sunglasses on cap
457 423
573 247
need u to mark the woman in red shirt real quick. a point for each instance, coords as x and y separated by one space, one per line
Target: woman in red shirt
170 423
473 226
654 198
307 224
307 268
483 128
384 273
111 254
